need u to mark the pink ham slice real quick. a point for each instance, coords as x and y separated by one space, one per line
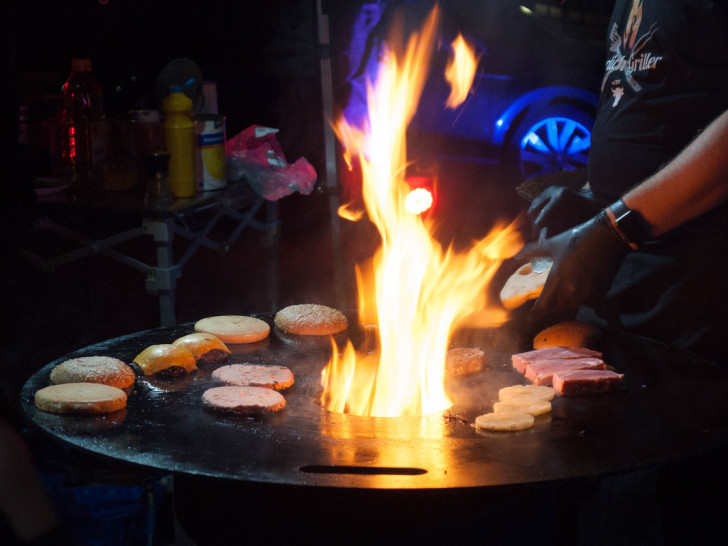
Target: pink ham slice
585 382
254 375
522 360
541 372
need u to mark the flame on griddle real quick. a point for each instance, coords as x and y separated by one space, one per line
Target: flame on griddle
413 291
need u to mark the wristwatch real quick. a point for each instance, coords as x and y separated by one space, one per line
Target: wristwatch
629 224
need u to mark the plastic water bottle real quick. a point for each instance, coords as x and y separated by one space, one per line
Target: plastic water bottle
179 134
83 138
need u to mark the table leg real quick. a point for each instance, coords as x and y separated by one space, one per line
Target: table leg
162 279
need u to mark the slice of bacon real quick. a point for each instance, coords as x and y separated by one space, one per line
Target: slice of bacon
541 372
585 382
522 360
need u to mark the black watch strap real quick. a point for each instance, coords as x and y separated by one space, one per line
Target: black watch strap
630 224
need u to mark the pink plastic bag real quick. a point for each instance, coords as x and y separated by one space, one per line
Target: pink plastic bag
256 156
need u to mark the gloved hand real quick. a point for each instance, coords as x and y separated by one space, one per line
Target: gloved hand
586 259
558 208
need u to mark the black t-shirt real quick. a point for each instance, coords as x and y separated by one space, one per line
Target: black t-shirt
666 78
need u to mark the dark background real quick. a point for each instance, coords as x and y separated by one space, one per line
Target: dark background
265 58
263 55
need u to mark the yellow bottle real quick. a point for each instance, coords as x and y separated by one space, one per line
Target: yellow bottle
179 134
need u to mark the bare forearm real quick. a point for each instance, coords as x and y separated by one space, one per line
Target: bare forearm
693 183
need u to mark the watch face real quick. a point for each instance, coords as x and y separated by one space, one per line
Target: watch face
633 226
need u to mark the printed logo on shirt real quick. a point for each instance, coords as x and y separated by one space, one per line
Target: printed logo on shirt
630 54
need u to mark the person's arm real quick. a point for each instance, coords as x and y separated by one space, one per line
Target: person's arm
690 185
586 257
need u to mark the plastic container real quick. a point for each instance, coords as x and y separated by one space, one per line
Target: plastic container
179 135
210 151
148 132
121 173
82 132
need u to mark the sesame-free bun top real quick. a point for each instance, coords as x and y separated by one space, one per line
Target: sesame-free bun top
310 319
80 398
94 369
234 328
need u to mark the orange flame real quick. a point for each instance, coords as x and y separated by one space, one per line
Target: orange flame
460 71
413 293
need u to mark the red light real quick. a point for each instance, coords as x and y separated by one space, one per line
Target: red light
418 200
421 197
72 143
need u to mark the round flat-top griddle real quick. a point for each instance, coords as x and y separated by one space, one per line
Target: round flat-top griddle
670 405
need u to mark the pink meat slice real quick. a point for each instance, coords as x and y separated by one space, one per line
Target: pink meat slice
583 382
541 372
243 400
522 360
254 375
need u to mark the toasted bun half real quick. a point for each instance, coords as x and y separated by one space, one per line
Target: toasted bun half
80 399
310 319
570 333
234 328
94 369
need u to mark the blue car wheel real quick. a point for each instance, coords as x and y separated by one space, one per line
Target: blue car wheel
550 140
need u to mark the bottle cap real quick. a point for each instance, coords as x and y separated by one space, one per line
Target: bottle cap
180 88
157 162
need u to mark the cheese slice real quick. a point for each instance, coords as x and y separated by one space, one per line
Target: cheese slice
542 392
504 421
526 283
523 404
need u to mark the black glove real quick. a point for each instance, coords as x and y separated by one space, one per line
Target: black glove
585 261
559 208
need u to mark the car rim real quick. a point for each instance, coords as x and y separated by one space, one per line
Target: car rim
554 144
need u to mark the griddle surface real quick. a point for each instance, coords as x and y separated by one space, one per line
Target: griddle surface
671 404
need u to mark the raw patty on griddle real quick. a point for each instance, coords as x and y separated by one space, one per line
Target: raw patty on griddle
254 375
310 319
243 400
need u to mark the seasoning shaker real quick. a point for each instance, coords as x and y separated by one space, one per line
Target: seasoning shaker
157 192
